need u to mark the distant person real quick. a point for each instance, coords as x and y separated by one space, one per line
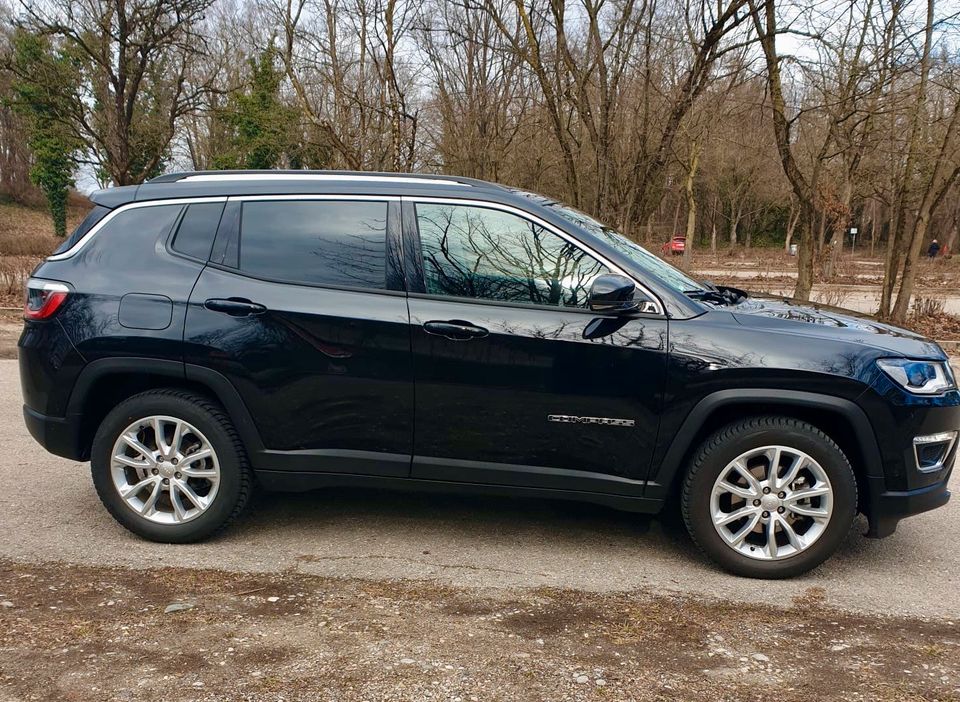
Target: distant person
934 249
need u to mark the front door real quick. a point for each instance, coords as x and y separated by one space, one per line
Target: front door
302 309
517 382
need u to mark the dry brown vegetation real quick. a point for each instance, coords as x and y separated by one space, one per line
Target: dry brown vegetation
26 237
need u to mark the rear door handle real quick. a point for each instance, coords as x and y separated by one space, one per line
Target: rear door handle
455 329
234 306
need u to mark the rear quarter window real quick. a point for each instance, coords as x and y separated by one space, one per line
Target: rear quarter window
336 243
131 233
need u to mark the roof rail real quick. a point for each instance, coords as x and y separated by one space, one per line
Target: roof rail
369 176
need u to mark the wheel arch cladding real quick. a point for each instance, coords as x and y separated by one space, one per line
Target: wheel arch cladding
839 418
105 383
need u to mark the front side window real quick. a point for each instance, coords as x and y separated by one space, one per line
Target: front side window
643 259
487 254
339 243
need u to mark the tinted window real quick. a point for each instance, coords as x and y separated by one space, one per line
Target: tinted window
129 235
487 254
197 229
325 243
94 216
647 262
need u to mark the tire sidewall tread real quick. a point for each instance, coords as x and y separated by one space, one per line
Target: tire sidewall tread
734 439
236 478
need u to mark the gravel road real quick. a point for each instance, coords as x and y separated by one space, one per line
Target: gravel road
50 513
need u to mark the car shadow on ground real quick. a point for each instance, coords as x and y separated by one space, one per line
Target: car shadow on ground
469 516
474 523
382 521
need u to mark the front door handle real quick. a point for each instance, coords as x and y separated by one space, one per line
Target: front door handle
234 306
455 329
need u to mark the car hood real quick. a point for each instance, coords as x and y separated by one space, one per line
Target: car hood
810 319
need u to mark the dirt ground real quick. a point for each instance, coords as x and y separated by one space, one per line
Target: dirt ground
83 633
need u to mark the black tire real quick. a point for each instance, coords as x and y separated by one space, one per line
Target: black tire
735 439
236 478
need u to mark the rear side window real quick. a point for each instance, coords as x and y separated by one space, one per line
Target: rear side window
315 242
94 216
197 229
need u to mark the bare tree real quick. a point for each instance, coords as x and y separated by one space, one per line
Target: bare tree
135 60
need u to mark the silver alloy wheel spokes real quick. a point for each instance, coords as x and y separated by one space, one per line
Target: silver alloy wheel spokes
165 470
771 502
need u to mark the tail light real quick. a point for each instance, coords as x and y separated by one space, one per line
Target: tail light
44 298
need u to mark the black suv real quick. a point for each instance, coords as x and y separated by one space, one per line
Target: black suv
204 333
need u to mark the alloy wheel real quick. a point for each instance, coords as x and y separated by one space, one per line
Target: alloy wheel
165 469
771 502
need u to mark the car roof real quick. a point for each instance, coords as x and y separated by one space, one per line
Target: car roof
191 184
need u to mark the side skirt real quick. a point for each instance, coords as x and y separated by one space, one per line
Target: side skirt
288 481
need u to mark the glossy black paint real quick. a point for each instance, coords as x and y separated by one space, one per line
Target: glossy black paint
321 371
338 385
487 400
130 257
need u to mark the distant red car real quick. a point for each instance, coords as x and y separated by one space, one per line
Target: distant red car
675 247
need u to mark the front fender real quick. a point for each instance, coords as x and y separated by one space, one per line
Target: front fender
691 433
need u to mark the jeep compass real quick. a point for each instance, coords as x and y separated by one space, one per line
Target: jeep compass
206 334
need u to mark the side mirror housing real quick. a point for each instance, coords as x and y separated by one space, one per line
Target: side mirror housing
612 294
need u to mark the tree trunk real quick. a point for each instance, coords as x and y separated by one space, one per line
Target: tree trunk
902 305
734 223
766 27
791 226
676 219
690 194
805 253
896 244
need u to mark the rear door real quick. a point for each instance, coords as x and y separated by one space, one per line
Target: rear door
302 308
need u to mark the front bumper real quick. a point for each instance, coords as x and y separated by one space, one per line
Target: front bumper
899 487
887 508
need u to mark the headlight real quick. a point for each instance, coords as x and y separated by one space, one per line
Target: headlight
920 377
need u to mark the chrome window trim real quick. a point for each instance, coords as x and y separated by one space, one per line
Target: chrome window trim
322 177
72 251
414 199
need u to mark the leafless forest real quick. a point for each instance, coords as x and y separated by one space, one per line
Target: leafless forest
740 123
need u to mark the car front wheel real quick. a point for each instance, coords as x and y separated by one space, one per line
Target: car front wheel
769 497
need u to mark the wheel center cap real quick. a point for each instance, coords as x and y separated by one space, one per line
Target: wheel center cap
167 470
770 502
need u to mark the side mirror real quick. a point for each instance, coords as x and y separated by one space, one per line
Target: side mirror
612 294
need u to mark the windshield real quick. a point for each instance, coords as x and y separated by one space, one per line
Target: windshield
643 259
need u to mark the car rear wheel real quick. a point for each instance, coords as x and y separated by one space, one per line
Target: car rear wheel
169 466
769 497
